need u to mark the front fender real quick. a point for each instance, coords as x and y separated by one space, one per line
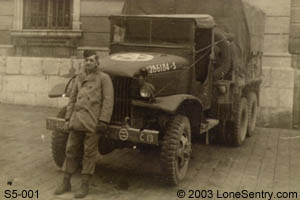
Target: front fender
169 104
57 91
61 89
185 104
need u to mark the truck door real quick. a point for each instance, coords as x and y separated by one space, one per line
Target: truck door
203 65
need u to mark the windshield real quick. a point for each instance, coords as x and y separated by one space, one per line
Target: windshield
152 31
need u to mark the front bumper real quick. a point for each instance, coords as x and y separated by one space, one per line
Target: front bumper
134 135
123 133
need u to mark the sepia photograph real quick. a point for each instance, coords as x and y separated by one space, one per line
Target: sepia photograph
149 99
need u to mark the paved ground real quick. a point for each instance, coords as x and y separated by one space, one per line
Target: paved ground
268 161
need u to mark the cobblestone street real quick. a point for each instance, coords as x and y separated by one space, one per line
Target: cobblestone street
268 161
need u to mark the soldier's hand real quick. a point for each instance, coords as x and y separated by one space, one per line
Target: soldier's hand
102 128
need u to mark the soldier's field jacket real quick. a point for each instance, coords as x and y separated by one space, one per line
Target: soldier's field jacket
91 100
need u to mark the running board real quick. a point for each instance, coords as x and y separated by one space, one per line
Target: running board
206 126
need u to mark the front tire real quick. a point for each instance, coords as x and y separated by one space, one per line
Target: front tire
59 142
176 149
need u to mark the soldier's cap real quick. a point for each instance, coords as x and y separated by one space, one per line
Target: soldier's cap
88 53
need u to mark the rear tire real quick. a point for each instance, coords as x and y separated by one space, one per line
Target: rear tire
252 112
176 149
240 122
59 142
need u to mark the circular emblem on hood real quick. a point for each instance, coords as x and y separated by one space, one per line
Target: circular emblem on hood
137 57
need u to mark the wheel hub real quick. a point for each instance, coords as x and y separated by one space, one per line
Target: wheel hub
183 150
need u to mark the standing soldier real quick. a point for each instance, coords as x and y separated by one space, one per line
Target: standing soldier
88 113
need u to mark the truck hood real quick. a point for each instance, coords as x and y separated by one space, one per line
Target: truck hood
129 64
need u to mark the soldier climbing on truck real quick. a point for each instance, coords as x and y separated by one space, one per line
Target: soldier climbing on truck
177 75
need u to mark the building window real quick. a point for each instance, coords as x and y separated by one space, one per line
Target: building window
46 27
47 14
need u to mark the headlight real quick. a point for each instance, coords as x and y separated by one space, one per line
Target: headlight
147 90
222 89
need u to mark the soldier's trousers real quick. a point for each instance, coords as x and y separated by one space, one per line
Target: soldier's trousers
77 140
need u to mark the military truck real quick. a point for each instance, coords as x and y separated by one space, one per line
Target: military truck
179 70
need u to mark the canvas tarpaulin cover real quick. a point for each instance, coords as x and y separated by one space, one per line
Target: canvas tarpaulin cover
237 17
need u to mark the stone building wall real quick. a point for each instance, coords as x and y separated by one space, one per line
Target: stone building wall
28 80
6 22
276 105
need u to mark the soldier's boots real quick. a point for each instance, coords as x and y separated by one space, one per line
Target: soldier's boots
84 187
65 186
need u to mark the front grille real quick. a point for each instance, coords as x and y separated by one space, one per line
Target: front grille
122 99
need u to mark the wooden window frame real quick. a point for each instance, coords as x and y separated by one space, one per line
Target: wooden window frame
47 14
19 12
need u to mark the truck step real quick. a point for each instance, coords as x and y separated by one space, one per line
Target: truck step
206 126
209 124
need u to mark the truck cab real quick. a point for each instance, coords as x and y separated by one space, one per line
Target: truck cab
161 57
